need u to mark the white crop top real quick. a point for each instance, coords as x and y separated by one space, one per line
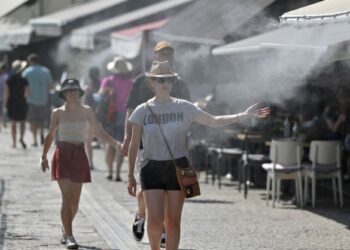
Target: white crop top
71 131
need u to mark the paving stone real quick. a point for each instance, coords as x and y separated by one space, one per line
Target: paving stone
220 219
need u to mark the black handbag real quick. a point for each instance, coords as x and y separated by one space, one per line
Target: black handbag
186 176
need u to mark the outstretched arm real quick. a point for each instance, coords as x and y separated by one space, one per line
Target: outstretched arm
224 120
49 139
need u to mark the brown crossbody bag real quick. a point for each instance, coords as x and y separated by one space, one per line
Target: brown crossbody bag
186 176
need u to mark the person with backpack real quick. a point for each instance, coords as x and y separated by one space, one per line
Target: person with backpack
111 110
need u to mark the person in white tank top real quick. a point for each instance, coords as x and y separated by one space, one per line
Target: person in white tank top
70 166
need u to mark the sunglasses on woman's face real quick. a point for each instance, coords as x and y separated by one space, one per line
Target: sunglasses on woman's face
162 80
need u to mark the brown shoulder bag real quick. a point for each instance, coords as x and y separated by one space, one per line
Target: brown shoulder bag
186 176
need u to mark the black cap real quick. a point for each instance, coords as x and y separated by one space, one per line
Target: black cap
70 84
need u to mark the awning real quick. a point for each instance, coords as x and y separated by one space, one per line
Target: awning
328 10
331 39
209 22
55 24
20 36
13 34
9 5
84 38
128 42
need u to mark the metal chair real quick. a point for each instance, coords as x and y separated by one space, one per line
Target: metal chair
218 156
251 159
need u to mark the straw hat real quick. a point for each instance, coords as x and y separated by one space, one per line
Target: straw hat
70 84
163 45
161 69
119 66
18 65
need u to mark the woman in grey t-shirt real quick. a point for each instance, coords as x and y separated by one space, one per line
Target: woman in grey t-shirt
163 197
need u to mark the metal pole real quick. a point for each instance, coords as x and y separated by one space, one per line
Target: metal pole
143 50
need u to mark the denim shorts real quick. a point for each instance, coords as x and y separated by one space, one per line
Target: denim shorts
161 174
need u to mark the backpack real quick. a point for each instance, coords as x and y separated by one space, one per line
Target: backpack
106 111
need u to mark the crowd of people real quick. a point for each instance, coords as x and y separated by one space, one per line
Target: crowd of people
117 109
24 91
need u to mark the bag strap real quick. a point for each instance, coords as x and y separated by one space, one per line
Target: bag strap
161 130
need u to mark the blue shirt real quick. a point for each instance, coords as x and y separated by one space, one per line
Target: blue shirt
39 79
3 79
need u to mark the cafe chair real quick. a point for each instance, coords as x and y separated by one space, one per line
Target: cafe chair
325 157
253 146
286 158
218 158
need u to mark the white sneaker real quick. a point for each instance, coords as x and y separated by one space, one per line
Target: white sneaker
163 240
71 243
64 236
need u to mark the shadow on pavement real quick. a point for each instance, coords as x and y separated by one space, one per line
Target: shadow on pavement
89 248
207 201
3 217
324 207
332 212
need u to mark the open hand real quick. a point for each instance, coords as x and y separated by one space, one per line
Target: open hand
260 113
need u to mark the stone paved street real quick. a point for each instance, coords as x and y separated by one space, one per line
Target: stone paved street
219 219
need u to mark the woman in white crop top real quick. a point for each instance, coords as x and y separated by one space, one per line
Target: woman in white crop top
70 166
163 197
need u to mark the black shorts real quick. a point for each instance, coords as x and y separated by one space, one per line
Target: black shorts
161 174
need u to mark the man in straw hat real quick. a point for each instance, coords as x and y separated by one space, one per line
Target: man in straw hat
115 87
141 92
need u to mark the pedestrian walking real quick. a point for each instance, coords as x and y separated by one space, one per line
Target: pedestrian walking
70 166
163 196
15 103
140 93
3 79
90 99
40 81
112 112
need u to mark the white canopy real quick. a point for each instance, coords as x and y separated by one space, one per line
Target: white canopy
332 39
128 42
9 5
84 38
328 10
53 24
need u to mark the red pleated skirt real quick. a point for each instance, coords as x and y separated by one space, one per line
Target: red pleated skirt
70 162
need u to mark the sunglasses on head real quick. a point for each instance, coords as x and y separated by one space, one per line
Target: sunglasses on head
162 80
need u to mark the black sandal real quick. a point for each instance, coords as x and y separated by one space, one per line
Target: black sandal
24 146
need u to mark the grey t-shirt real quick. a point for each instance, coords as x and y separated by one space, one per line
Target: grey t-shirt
175 118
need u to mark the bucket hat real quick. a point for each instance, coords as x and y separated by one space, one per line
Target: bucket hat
161 69
18 65
119 65
70 84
